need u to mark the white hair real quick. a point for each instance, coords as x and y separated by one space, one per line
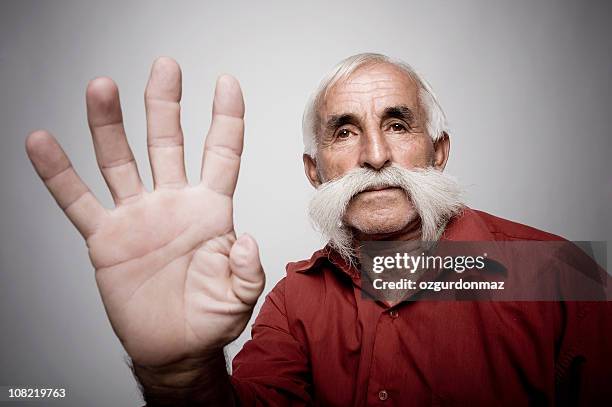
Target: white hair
436 197
435 124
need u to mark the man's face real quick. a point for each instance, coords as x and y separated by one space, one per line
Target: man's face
373 120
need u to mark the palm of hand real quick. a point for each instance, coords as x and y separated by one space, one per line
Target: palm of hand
174 280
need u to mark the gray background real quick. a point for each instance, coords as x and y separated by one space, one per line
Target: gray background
526 86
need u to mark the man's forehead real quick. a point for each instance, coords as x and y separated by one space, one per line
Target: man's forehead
377 86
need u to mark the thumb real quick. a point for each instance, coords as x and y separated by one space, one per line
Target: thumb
248 278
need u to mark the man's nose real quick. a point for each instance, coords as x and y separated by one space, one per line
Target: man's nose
375 151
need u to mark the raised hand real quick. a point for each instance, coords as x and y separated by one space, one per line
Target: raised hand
175 281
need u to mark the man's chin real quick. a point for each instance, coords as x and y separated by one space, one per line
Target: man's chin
373 227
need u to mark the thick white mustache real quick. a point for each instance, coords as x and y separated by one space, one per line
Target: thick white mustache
435 196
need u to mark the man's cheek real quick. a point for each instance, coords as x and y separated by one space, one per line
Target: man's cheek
333 165
415 153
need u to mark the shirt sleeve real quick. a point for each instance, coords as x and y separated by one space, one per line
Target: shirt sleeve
584 364
272 369
584 368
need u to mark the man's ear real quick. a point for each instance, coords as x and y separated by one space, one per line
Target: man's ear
310 169
441 151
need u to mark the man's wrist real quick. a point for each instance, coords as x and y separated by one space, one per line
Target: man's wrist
201 381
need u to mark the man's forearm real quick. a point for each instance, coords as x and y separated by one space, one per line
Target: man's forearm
190 382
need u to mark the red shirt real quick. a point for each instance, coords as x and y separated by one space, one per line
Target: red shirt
316 341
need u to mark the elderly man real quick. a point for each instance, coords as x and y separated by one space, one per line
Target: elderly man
178 285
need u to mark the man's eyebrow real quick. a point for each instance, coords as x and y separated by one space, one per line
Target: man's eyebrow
339 120
402 112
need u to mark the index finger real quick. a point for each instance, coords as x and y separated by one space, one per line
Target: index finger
223 146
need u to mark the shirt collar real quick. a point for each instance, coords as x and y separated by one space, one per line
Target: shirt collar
466 226
325 254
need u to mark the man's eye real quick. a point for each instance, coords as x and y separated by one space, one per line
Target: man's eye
343 134
397 127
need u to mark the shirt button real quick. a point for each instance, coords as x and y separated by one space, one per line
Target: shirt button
383 395
393 314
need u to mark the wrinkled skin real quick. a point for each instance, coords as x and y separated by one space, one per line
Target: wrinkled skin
374 139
